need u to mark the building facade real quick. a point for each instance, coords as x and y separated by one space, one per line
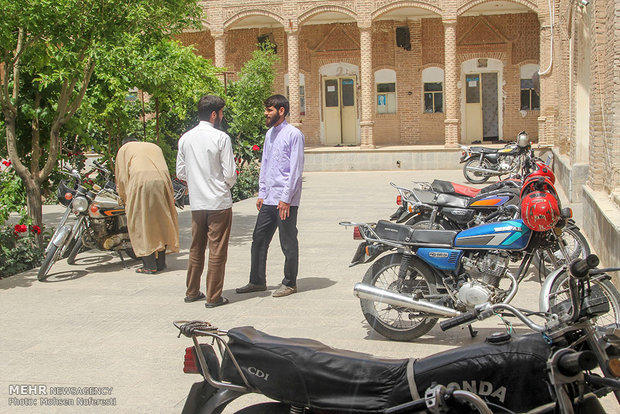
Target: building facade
374 73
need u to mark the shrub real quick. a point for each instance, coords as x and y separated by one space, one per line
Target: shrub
18 249
247 182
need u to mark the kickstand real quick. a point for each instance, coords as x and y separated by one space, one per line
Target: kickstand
472 332
122 259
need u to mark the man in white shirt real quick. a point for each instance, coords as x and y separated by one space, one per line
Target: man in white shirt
205 160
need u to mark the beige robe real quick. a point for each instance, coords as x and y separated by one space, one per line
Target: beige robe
144 184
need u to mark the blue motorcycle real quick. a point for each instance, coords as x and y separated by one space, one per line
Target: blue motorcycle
432 274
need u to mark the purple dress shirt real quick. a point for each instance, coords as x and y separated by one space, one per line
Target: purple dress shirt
282 165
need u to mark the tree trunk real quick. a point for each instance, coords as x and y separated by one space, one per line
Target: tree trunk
35 209
157 118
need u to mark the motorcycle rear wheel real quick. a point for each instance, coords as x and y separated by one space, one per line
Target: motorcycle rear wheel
266 408
49 260
560 294
474 177
390 321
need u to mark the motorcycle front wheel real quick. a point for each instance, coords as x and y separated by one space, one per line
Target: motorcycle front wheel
476 177
50 258
576 245
77 248
559 298
393 322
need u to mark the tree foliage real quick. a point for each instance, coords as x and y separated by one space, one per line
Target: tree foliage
48 52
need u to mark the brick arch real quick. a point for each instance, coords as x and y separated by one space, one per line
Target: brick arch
468 5
401 4
253 12
326 8
501 56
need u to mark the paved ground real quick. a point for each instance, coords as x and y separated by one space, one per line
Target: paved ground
98 324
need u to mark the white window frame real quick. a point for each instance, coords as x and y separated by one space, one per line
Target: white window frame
388 99
433 75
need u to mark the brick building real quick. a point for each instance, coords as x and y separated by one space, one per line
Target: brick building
372 73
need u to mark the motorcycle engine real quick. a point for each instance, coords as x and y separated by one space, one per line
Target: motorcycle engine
506 164
485 271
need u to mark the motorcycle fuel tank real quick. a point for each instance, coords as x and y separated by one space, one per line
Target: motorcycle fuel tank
509 235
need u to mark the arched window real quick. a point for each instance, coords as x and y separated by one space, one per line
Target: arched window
386 91
432 79
530 101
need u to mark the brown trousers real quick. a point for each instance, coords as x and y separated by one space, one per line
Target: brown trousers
212 226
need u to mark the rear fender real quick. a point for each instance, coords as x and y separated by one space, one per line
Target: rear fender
205 399
366 253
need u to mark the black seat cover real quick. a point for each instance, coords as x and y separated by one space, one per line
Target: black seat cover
518 365
422 236
308 373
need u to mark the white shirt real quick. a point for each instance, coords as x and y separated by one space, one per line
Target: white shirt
205 160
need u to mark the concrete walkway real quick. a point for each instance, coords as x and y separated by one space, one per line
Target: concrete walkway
98 324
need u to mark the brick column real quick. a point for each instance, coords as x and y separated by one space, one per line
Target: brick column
366 123
546 118
220 48
451 76
292 41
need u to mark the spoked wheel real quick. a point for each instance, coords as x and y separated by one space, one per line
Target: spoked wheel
575 244
395 322
77 248
602 290
475 177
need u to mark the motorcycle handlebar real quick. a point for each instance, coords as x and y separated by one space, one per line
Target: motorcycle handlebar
572 363
457 320
580 268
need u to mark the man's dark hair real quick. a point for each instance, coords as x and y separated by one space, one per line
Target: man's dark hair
207 105
277 101
130 138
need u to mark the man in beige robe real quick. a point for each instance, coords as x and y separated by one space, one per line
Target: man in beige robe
144 184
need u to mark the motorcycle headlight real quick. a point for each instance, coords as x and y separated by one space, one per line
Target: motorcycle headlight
80 204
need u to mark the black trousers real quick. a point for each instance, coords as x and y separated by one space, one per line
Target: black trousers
267 222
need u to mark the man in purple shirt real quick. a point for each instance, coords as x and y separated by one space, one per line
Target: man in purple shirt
279 193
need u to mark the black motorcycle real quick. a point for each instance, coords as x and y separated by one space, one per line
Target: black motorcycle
546 372
481 163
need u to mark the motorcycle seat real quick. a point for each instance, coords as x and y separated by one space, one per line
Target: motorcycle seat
435 237
305 372
441 199
484 150
448 187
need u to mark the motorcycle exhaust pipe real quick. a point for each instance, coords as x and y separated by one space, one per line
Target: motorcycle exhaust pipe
364 291
482 170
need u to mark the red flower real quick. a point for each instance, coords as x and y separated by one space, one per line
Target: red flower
20 228
7 163
255 148
237 172
36 229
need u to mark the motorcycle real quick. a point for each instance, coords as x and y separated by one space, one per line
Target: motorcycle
76 200
481 163
531 373
106 226
441 273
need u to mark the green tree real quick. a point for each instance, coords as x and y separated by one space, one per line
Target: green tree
245 103
49 50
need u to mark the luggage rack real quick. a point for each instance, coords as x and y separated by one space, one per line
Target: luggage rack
194 329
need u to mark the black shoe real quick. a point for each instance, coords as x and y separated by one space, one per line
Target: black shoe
251 287
200 296
220 302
